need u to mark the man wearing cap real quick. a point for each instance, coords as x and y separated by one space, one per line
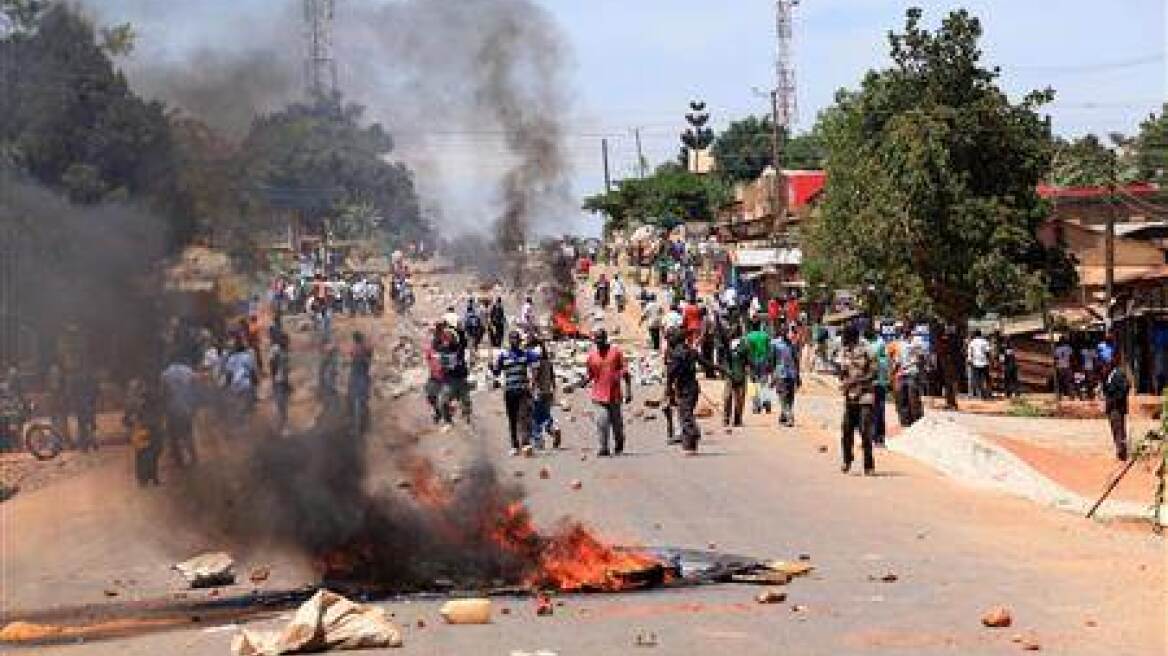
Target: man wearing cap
606 368
857 376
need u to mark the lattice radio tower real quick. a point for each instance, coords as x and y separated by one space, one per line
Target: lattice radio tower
786 105
320 69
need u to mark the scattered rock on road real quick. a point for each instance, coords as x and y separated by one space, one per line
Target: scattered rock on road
997 617
770 597
797 568
576 485
259 574
466 611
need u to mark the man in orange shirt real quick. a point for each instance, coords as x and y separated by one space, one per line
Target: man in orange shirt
606 368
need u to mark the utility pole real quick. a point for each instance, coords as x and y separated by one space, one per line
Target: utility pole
640 154
607 177
776 159
320 68
1112 174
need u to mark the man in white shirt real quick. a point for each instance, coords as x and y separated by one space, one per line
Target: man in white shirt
977 354
651 317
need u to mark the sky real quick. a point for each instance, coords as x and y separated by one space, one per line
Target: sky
637 63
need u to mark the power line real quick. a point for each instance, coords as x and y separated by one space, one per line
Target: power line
1134 62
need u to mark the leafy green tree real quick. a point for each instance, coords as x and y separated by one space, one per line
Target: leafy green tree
669 196
1151 148
931 183
320 160
743 150
70 118
1089 162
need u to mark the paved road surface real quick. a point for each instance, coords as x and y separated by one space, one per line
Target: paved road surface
1076 587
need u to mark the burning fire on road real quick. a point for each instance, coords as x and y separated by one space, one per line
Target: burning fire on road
570 558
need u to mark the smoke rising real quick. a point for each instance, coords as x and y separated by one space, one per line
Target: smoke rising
313 492
475 93
83 281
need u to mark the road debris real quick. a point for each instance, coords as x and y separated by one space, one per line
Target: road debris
466 611
890 577
997 617
645 639
577 484
770 597
259 575
765 577
208 570
545 473
797 568
541 652
543 605
325 622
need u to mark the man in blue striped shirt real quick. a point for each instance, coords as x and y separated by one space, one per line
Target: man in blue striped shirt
513 365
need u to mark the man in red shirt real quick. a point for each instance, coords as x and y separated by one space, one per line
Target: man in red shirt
606 367
774 309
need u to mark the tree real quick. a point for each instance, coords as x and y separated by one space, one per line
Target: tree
931 185
743 150
670 196
71 120
1088 162
1151 148
320 160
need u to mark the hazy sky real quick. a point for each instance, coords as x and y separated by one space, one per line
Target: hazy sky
637 63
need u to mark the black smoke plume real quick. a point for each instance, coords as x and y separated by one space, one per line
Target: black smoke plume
81 283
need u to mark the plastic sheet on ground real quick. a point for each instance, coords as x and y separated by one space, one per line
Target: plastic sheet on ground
325 622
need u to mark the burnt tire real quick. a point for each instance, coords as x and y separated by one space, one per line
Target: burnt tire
42 441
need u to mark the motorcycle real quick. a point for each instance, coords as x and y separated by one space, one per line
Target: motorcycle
37 435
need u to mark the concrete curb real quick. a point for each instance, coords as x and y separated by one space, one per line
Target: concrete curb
942 442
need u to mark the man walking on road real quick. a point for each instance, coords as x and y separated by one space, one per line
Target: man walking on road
786 377
513 365
880 387
1116 388
360 383
496 323
734 393
857 373
682 388
452 358
544 394
606 368
906 367
758 343
178 393
281 368
651 317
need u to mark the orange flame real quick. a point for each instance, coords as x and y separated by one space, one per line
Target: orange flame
570 559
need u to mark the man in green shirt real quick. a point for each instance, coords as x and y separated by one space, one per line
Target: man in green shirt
758 346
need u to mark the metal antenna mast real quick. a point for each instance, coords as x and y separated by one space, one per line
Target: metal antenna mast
320 69
783 104
785 64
